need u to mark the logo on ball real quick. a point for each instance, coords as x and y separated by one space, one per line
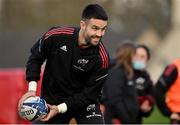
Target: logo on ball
33 108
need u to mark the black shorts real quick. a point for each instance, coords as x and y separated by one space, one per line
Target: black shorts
87 115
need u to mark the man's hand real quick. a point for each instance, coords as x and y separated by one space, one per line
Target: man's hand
53 110
145 106
24 97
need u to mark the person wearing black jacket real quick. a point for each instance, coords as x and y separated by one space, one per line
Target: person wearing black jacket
143 82
119 92
75 70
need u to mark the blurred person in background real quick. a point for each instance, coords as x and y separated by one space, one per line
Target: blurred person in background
143 82
119 92
75 71
167 93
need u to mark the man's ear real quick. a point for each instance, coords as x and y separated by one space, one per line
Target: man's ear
82 24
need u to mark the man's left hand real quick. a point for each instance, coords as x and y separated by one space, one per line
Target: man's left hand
53 110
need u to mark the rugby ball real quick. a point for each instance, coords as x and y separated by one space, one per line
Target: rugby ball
33 109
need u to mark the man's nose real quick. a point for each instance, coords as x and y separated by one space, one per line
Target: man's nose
100 33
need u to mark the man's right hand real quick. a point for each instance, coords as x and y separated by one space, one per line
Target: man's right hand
24 97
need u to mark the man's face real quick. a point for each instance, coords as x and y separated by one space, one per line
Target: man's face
93 30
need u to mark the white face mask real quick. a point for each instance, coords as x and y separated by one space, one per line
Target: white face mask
139 65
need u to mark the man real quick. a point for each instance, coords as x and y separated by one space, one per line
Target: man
167 92
76 68
143 82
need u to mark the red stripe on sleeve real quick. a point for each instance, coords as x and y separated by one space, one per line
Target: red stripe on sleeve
104 56
169 70
59 31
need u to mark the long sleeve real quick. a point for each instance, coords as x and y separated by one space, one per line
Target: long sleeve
149 94
163 84
39 53
113 92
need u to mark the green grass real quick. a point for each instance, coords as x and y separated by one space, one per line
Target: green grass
156 117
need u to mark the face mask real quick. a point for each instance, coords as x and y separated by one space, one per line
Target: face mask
139 65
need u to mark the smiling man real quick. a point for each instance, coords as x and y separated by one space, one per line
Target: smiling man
76 68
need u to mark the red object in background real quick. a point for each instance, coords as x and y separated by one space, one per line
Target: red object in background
12 86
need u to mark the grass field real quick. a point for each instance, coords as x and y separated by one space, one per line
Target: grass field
156 117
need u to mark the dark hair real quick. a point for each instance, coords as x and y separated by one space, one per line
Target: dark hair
146 49
94 11
124 54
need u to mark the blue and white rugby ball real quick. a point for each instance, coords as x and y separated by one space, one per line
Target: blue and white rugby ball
34 108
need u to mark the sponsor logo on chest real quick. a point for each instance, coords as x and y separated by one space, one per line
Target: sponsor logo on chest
82 62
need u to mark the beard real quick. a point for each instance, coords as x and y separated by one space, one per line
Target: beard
89 40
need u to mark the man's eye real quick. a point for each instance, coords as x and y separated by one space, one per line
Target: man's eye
104 28
94 28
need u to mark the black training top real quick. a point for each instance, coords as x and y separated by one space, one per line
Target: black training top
73 74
